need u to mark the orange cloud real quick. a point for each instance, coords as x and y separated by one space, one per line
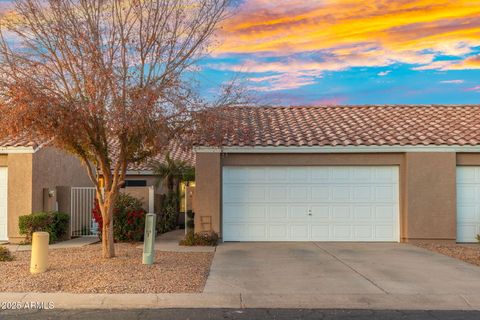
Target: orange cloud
403 25
308 38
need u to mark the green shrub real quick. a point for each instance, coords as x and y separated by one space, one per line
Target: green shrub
168 218
5 254
55 223
200 239
478 238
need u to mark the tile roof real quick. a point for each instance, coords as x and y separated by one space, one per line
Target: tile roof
17 142
176 152
389 125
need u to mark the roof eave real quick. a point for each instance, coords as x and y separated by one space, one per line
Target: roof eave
340 149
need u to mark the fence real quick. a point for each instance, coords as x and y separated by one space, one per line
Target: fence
81 220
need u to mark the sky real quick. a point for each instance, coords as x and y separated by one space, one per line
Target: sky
314 52
332 52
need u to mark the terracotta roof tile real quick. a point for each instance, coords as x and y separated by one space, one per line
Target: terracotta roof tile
354 125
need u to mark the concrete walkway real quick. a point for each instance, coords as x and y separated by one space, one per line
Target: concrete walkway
72 243
169 242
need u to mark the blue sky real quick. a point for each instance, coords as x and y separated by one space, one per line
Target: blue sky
294 52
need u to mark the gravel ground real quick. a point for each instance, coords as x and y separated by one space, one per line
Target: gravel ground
467 253
82 270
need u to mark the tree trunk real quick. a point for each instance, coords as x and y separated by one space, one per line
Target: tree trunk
108 248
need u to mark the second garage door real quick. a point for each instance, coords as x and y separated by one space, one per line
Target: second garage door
328 203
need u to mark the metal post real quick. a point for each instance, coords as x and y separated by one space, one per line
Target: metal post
149 239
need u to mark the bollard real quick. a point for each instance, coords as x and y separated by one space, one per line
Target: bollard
39 259
149 238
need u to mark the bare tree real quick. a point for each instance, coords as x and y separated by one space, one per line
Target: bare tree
93 74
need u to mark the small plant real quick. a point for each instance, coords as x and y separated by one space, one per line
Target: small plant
204 238
478 238
5 254
55 223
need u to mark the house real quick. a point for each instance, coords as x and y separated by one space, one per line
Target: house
37 177
33 178
343 173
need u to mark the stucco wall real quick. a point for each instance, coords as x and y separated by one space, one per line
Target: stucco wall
430 196
52 168
19 191
208 191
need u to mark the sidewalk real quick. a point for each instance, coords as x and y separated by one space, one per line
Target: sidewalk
238 301
72 243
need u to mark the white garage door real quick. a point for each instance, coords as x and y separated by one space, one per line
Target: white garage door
328 203
468 203
3 203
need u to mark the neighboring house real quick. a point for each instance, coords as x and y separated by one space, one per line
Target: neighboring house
349 173
142 175
31 178
36 177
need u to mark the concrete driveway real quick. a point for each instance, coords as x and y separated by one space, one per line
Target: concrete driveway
338 269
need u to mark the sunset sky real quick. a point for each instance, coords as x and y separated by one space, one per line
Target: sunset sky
293 52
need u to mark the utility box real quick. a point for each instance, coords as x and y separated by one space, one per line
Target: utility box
149 238
39 258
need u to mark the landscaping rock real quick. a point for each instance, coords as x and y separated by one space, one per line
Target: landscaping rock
83 270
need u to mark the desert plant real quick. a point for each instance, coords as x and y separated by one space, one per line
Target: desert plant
169 213
5 254
205 238
55 223
129 220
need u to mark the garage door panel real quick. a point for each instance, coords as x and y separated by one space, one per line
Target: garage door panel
384 232
321 212
278 194
342 233
313 204
341 193
320 193
341 213
278 232
298 174
297 212
363 212
278 212
363 232
468 203
383 213
298 193
320 232
299 232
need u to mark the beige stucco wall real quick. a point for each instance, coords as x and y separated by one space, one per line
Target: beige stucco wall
427 185
208 191
430 196
19 191
51 168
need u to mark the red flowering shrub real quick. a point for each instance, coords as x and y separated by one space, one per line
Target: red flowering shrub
128 219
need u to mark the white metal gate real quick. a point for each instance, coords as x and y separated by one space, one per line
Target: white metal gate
81 218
